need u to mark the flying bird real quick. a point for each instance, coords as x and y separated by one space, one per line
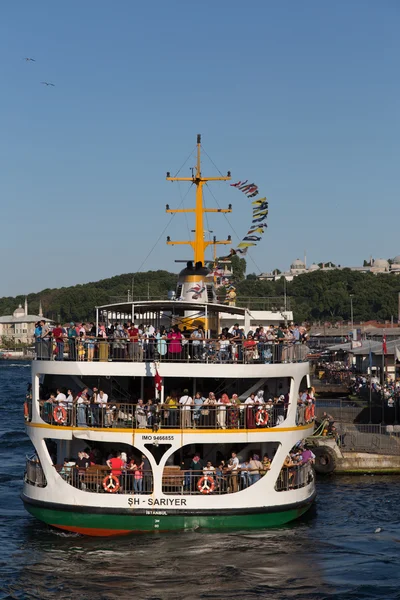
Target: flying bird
30 59
47 83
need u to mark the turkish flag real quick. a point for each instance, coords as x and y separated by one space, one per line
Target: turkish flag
157 381
384 345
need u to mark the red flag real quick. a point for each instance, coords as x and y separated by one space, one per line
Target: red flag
157 381
384 346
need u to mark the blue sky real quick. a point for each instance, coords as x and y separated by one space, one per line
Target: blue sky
300 97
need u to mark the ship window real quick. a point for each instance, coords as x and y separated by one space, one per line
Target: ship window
297 470
205 468
96 476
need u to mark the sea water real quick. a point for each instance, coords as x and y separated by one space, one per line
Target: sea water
332 552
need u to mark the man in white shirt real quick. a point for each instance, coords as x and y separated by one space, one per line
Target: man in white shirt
61 398
101 400
186 403
250 399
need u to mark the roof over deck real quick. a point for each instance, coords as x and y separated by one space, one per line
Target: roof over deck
171 306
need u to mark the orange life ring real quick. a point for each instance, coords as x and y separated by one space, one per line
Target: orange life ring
26 410
206 485
111 483
307 414
262 417
60 415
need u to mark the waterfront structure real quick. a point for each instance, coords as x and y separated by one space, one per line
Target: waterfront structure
20 326
107 464
369 356
299 267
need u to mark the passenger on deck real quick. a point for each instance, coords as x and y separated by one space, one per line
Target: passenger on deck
208 416
244 475
136 467
255 468
174 343
70 405
259 399
266 464
249 346
223 403
116 464
140 415
186 403
233 412
151 410
67 470
59 334
82 464
209 470
105 413
197 338
72 335
250 421
82 402
94 407
61 398
233 470
197 406
223 349
135 350
171 409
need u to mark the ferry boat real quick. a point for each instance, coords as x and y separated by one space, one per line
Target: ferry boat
210 406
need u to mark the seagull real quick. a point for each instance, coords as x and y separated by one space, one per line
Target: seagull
47 83
30 59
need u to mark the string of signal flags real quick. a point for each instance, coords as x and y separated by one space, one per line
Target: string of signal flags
259 216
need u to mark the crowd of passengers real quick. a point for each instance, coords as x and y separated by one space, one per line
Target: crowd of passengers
128 341
93 408
227 475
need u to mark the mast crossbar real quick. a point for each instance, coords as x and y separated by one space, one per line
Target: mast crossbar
199 245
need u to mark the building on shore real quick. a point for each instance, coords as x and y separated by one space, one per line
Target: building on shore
20 326
299 267
367 356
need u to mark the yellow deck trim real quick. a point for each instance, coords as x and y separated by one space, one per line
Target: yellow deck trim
168 431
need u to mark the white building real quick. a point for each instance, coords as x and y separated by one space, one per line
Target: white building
20 326
298 267
257 318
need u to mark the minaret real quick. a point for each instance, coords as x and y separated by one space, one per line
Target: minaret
26 306
40 309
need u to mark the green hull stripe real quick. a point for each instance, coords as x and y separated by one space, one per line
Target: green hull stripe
159 522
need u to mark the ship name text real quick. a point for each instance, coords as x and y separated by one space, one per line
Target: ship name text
157 501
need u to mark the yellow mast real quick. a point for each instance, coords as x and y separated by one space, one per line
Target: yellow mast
199 244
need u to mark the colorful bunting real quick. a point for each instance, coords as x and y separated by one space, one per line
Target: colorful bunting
259 216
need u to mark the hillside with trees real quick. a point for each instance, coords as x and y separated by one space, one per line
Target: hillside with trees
325 295
78 302
316 296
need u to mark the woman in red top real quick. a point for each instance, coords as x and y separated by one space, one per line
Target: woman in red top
174 343
249 346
